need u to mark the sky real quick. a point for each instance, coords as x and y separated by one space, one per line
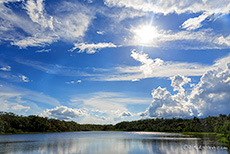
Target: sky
107 61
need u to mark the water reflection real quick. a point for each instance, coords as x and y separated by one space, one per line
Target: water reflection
107 142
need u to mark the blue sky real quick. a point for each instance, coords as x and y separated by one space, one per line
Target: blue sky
114 60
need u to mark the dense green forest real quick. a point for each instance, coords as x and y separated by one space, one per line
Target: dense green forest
11 123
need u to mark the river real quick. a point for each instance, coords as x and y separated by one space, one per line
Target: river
100 142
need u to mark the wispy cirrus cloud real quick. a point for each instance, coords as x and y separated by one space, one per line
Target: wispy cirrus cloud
152 36
23 101
68 22
13 77
43 50
54 68
167 6
150 68
41 25
111 105
91 48
36 12
207 8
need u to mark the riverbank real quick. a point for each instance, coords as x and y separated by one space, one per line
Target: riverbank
220 126
219 137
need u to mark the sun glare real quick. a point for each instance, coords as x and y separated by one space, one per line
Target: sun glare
145 34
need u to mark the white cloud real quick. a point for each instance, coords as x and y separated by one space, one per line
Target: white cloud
29 95
178 81
150 68
74 82
105 104
68 22
12 102
6 68
91 48
181 6
54 68
43 50
100 32
166 105
11 21
72 20
24 78
6 1
119 15
194 23
23 101
13 77
63 113
152 36
126 114
210 96
102 101
35 9
167 6
212 93
221 40
37 40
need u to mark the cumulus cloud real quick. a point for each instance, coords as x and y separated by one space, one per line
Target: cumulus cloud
212 93
63 113
126 114
166 105
178 81
210 96
91 48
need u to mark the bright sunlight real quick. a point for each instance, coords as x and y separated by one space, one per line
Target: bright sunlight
145 34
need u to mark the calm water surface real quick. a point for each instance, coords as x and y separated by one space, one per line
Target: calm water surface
108 143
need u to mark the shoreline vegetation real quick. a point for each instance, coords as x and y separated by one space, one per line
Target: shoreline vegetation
217 126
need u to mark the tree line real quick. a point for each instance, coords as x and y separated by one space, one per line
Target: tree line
11 123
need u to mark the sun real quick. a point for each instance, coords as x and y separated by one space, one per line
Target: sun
145 34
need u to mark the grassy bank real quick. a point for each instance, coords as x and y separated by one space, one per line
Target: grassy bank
218 136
